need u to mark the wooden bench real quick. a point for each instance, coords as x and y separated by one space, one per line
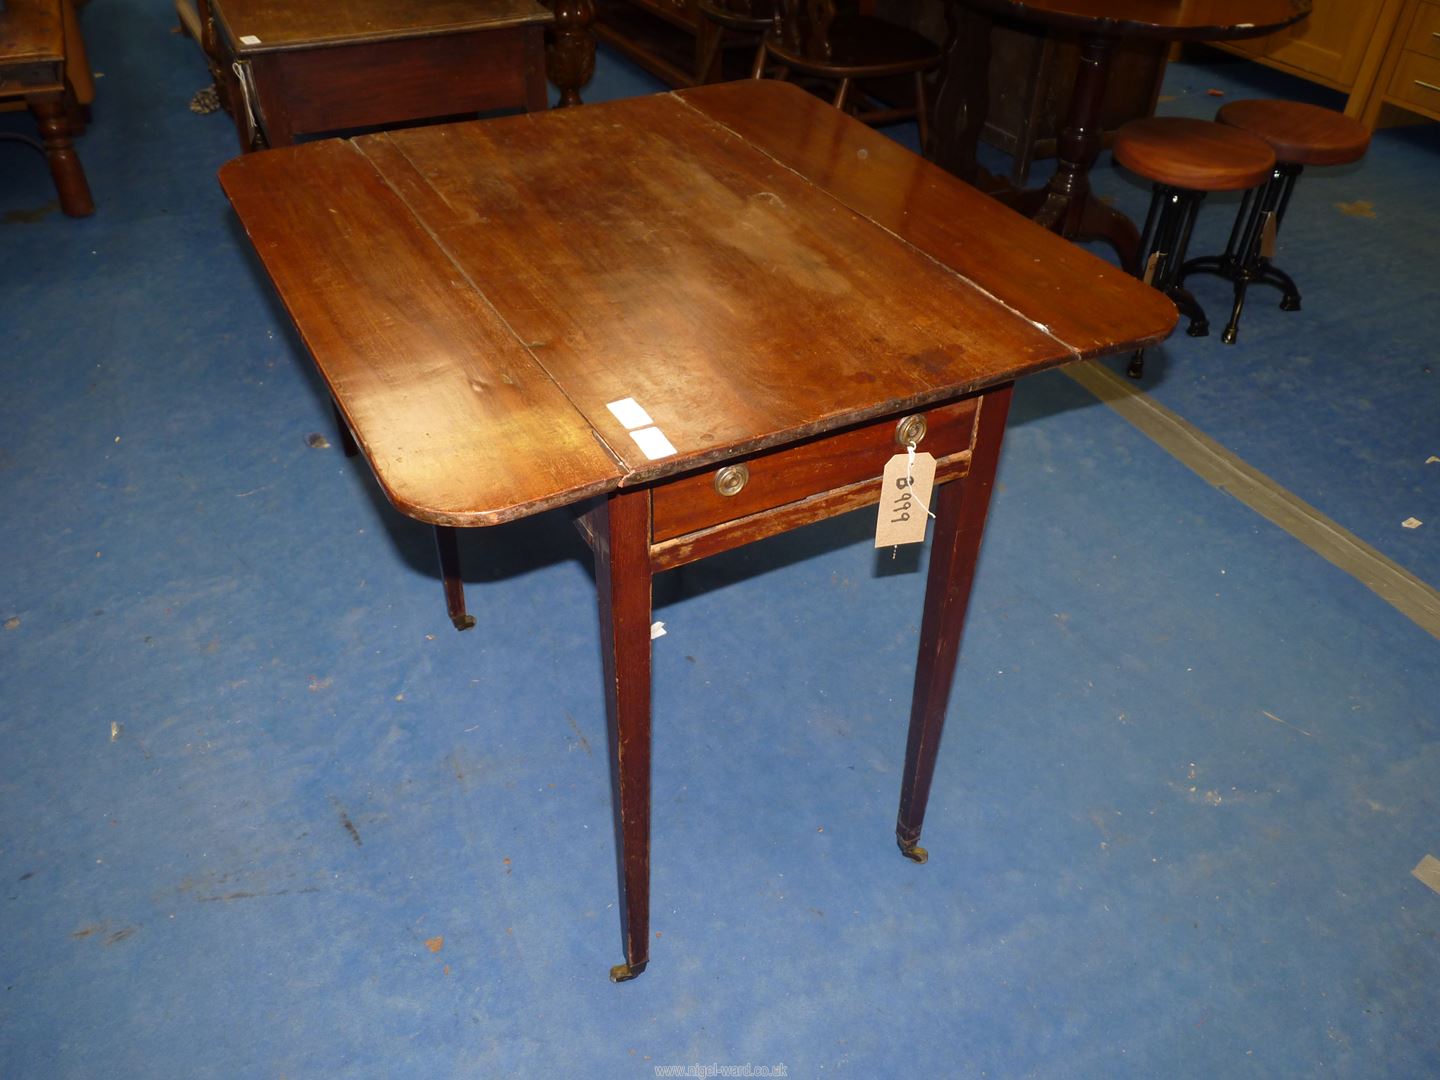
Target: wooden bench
34 46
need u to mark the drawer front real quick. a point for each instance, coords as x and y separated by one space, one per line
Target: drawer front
777 477
1425 31
1417 82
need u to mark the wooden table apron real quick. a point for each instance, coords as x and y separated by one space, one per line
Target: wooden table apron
776 285
1065 203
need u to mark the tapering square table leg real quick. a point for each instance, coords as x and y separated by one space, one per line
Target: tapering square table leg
959 526
623 578
447 546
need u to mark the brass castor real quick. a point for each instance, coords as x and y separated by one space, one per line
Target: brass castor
462 622
625 972
913 852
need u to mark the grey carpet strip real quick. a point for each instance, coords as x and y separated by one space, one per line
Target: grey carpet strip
1399 588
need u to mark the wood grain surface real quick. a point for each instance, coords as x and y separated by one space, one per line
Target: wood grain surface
1197 154
641 251
1299 133
1021 264
476 294
285 24
366 84
460 424
31 31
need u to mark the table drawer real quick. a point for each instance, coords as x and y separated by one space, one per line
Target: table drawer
1417 81
777 477
1425 31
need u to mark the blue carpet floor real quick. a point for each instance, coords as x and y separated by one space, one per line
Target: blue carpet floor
263 813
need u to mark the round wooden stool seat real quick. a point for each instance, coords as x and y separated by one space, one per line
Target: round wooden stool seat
1198 155
1300 134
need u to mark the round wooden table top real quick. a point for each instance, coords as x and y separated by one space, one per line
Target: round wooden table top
1175 20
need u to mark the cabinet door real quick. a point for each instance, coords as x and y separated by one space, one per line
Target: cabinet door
1328 45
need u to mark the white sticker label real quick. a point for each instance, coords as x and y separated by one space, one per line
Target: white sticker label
628 412
905 500
657 630
652 442
249 39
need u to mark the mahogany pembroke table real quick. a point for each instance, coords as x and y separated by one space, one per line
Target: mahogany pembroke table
775 298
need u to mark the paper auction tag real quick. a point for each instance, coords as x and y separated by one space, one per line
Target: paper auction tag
1150 265
1268 235
905 500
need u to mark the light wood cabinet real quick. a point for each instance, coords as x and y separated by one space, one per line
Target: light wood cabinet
1408 76
1341 45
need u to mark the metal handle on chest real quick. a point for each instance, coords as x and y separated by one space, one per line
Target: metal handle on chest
730 479
910 430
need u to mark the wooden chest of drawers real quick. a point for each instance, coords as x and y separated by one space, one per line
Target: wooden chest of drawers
1409 75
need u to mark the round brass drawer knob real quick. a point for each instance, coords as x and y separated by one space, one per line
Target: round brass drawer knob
730 479
910 430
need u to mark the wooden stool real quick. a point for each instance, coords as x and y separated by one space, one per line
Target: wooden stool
1185 159
813 38
1300 135
33 51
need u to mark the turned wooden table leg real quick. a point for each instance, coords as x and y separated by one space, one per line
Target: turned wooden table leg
622 578
214 58
1066 205
959 526
570 53
70 183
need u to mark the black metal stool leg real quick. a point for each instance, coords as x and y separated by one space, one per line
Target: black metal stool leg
1282 281
1239 268
1247 256
1199 324
1168 228
449 549
1156 195
1162 238
1223 265
1154 241
1234 267
1232 328
1291 173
